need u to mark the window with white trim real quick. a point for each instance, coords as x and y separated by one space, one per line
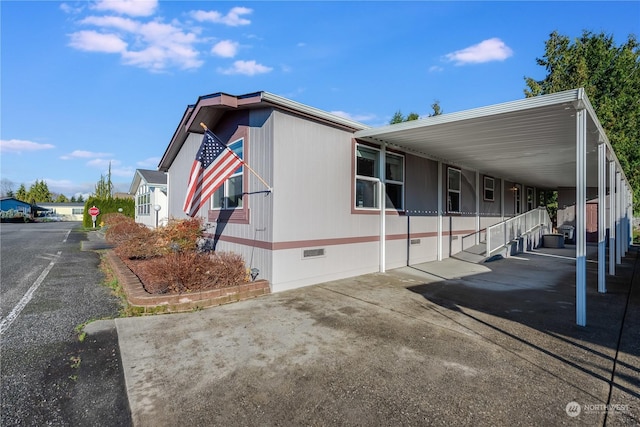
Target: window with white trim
530 198
229 194
454 179
368 178
143 200
489 188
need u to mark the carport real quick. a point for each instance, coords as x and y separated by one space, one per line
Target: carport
548 141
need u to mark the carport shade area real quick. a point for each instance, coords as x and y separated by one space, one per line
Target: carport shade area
549 141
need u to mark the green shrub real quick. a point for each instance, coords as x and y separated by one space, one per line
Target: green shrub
107 206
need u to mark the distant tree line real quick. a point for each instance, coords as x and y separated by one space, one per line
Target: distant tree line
38 192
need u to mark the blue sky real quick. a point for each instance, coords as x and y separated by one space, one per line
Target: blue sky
85 83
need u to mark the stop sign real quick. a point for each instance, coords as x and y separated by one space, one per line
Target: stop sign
93 211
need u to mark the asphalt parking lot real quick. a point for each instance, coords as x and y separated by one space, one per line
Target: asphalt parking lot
451 343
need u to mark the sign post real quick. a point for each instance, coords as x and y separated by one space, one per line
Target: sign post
94 212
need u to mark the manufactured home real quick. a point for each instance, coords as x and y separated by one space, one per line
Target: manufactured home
149 188
328 198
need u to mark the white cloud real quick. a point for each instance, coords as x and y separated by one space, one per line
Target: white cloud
435 69
225 48
128 7
232 19
487 50
67 8
93 41
150 162
19 145
248 68
82 154
158 45
117 22
356 117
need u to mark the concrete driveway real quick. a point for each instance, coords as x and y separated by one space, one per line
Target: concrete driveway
448 343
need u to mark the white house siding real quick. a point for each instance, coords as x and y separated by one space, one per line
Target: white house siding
178 175
312 205
253 240
310 167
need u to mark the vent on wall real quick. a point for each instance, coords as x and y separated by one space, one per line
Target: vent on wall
415 241
312 253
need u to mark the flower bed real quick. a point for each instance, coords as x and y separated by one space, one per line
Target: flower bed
146 303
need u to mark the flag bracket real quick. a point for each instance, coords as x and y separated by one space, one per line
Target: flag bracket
270 190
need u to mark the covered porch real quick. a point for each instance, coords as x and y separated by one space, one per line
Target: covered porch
551 141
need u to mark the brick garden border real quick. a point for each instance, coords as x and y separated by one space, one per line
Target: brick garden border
175 303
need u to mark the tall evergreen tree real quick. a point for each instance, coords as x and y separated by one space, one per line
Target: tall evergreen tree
39 192
610 75
22 194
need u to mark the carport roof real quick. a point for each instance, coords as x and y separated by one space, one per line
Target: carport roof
530 141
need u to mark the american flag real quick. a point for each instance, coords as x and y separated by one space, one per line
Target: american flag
213 165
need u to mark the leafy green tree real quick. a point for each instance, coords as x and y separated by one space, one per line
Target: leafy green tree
436 109
397 118
39 192
73 199
610 75
80 199
61 198
22 194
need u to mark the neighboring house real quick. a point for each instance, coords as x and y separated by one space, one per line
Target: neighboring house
444 177
64 211
10 207
149 188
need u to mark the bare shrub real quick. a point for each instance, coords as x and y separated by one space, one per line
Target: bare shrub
121 228
180 235
181 272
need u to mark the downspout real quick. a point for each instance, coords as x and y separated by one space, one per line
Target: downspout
477 239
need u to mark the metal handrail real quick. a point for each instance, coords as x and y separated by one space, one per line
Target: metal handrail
498 235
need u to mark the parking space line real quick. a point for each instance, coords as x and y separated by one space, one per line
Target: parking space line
66 236
7 321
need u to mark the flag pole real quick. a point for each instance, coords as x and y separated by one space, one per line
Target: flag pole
243 162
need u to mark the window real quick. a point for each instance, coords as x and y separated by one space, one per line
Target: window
530 198
143 200
394 181
368 174
453 189
517 189
229 195
77 211
489 188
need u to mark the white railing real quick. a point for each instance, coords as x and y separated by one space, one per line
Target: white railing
499 235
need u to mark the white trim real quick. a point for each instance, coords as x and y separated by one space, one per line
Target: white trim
581 213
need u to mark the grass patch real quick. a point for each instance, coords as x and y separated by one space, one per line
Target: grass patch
111 282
